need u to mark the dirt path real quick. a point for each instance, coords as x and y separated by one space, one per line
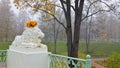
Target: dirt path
2 65
96 65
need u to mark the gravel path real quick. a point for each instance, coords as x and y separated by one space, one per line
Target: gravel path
96 65
2 65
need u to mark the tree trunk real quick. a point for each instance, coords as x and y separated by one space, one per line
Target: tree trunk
69 27
6 36
78 17
69 42
55 39
72 44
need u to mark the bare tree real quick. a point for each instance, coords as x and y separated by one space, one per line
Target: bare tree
67 7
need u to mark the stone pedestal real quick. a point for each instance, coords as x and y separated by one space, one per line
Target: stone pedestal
27 51
19 59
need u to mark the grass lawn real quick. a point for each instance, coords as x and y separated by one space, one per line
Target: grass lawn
4 45
96 48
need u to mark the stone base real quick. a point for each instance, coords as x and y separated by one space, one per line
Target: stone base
17 59
29 50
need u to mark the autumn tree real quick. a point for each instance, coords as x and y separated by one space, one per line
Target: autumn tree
73 12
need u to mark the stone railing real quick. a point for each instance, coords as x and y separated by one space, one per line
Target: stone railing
56 61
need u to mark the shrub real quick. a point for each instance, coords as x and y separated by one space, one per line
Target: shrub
113 61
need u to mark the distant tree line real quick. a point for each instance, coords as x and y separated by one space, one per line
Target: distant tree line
104 26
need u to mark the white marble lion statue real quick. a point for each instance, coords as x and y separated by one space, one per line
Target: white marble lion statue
30 38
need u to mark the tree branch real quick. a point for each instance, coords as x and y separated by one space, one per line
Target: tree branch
80 9
98 10
61 1
69 4
95 13
90 6
54 17
57 6
94 1
50 14
111 8
80 3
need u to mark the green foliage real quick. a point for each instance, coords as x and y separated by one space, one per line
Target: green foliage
114 61
93 67
61 47
100 48
81 55
96 48
102 62
4 45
